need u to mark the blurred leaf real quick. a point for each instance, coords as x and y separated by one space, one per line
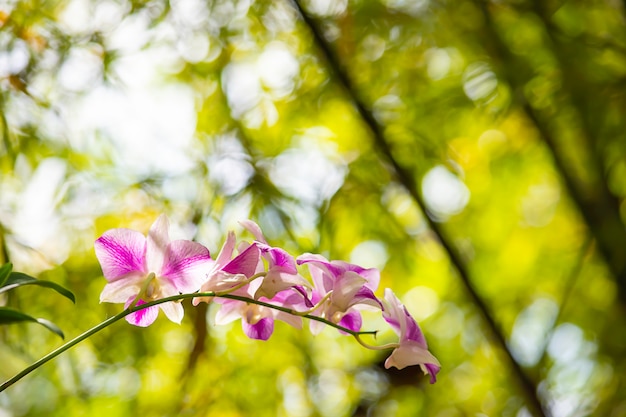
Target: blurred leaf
10 316
5 270
18 279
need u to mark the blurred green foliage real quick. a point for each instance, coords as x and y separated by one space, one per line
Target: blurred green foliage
473 150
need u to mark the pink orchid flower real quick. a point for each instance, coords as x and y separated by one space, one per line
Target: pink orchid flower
412 348
149 268
281 271
227 272
258 321
347 289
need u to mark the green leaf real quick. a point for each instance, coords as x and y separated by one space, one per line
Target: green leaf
5 270
18 279
11 316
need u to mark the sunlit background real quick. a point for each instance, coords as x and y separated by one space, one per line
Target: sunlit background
473 150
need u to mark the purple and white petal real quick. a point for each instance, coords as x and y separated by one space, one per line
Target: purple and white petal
226 253
121 290
120 252
245 263
351 320
344 290
364 298
144 317
432 370
409 354
156 243
254 229
174 311
230 311
261 330
186 265
275 282
413 331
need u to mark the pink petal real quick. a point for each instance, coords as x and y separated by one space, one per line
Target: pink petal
275 282
409 354
142 318
120 252
157 241
230 310
245 263
316 327
320 262
121 290
323 278
433 370
413 331
351 320
345 288
394 313
365 296
278 259
226 253
254 229
173 311
261 330
186 265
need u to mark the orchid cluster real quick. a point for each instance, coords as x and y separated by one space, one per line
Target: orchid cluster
253 282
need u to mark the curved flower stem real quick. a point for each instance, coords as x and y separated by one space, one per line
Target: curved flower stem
240 285
372 347
143 289
179 297
315 307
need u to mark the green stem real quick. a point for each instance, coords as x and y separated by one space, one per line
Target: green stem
240 285
381 347
63 348
316 306
179 297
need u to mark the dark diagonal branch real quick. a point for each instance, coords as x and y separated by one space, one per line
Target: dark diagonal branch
597 205
406 178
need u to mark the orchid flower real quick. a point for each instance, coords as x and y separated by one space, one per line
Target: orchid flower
342 289
412 348
281 269
258 321
140 269
227 274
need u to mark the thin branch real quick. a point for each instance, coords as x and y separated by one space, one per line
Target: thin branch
408 182
584 252
174 298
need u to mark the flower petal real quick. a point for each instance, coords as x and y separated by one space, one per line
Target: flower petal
351 320
173 311
186 265
120 252
157 241
245 263
229 311
433 370
364 296
278 259
261 330
413 331
275 282
142 318
226 253
408 354
320 262
316 327
254 229
345 289
121 290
